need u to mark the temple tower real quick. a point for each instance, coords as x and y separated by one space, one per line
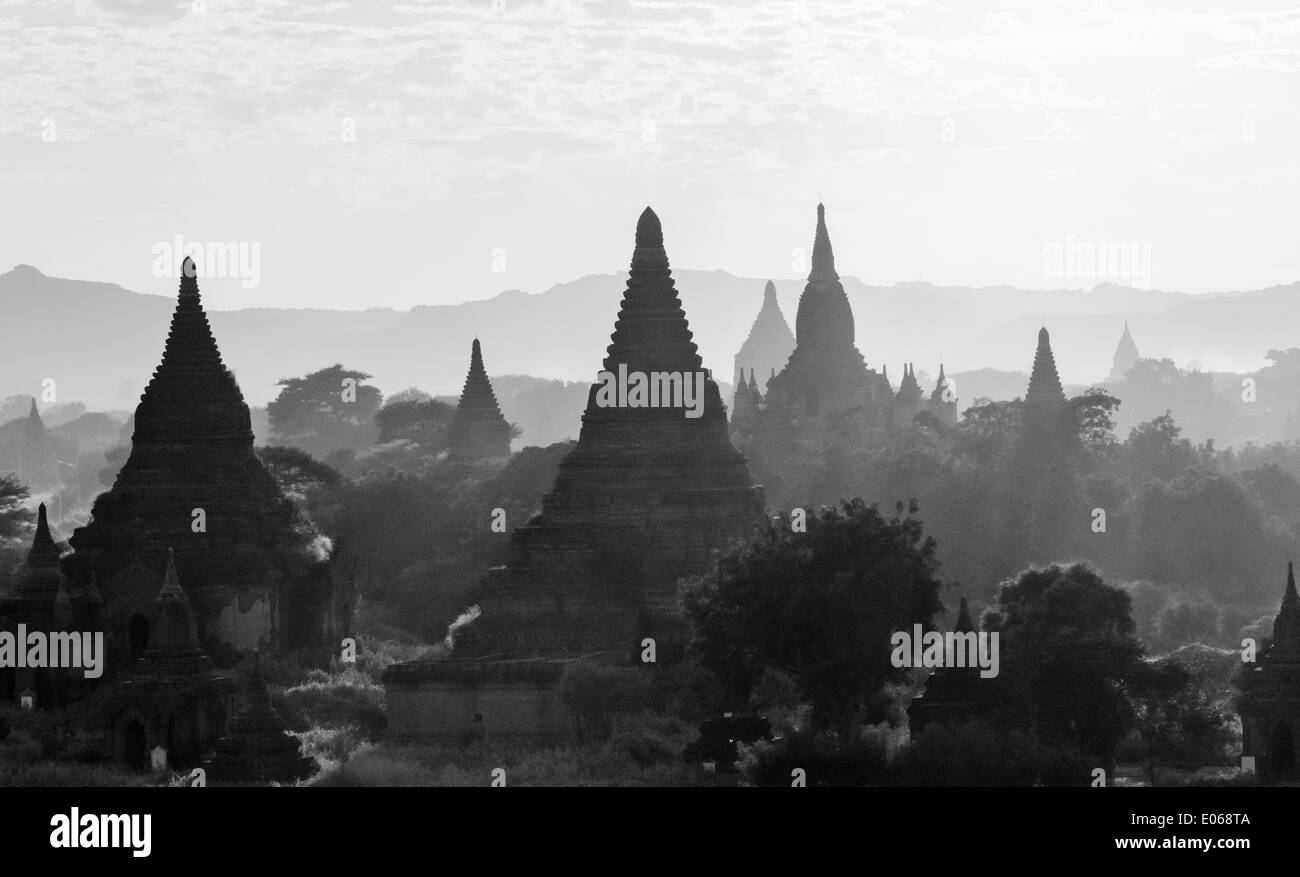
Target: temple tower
256 748
952 694
478 431
826 372
770 341
1126 356
1270 695
193 481
910 401
642 500
945 409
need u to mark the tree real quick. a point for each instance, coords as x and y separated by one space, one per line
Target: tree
1155 449
820 606
1069 658
328 410
424 422
15 519
1094 412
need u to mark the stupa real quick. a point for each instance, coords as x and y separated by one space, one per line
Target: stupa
478 431
769 343
642 500
192 481
256 747
826 372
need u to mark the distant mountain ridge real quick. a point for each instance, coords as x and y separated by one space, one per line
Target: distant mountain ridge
101 342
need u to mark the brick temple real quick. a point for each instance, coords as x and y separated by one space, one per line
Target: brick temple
642 500
255 572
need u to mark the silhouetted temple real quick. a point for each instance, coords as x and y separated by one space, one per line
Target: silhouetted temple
769 343
825 375
478 431
1048 430
1270 695
951 693
175 697
746 406
1126 356
644 497
254 572
256 747
32 601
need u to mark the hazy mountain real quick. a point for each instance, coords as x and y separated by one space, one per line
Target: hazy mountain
101 342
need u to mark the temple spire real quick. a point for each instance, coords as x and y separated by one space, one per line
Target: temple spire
1044 381
478 429
964 623
823 258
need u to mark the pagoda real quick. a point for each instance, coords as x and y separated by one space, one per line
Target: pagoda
1126 356
770 341
952 694
641 501
192 481
478 431
256 747
826 372
1270 695
910 400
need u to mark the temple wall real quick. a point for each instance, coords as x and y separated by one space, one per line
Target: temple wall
452 711
246 624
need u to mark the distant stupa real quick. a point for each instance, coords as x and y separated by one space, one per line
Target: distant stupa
478 431
1126 356
770 341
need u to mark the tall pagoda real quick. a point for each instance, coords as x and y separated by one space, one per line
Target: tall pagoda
478 431
826 372
192 481
641 501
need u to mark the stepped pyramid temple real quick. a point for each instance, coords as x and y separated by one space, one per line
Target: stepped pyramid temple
175 701
255 573
770 341
256 748
645 496
1270 695
826 373
478 431
1126 356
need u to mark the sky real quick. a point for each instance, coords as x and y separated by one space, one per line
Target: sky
363 155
